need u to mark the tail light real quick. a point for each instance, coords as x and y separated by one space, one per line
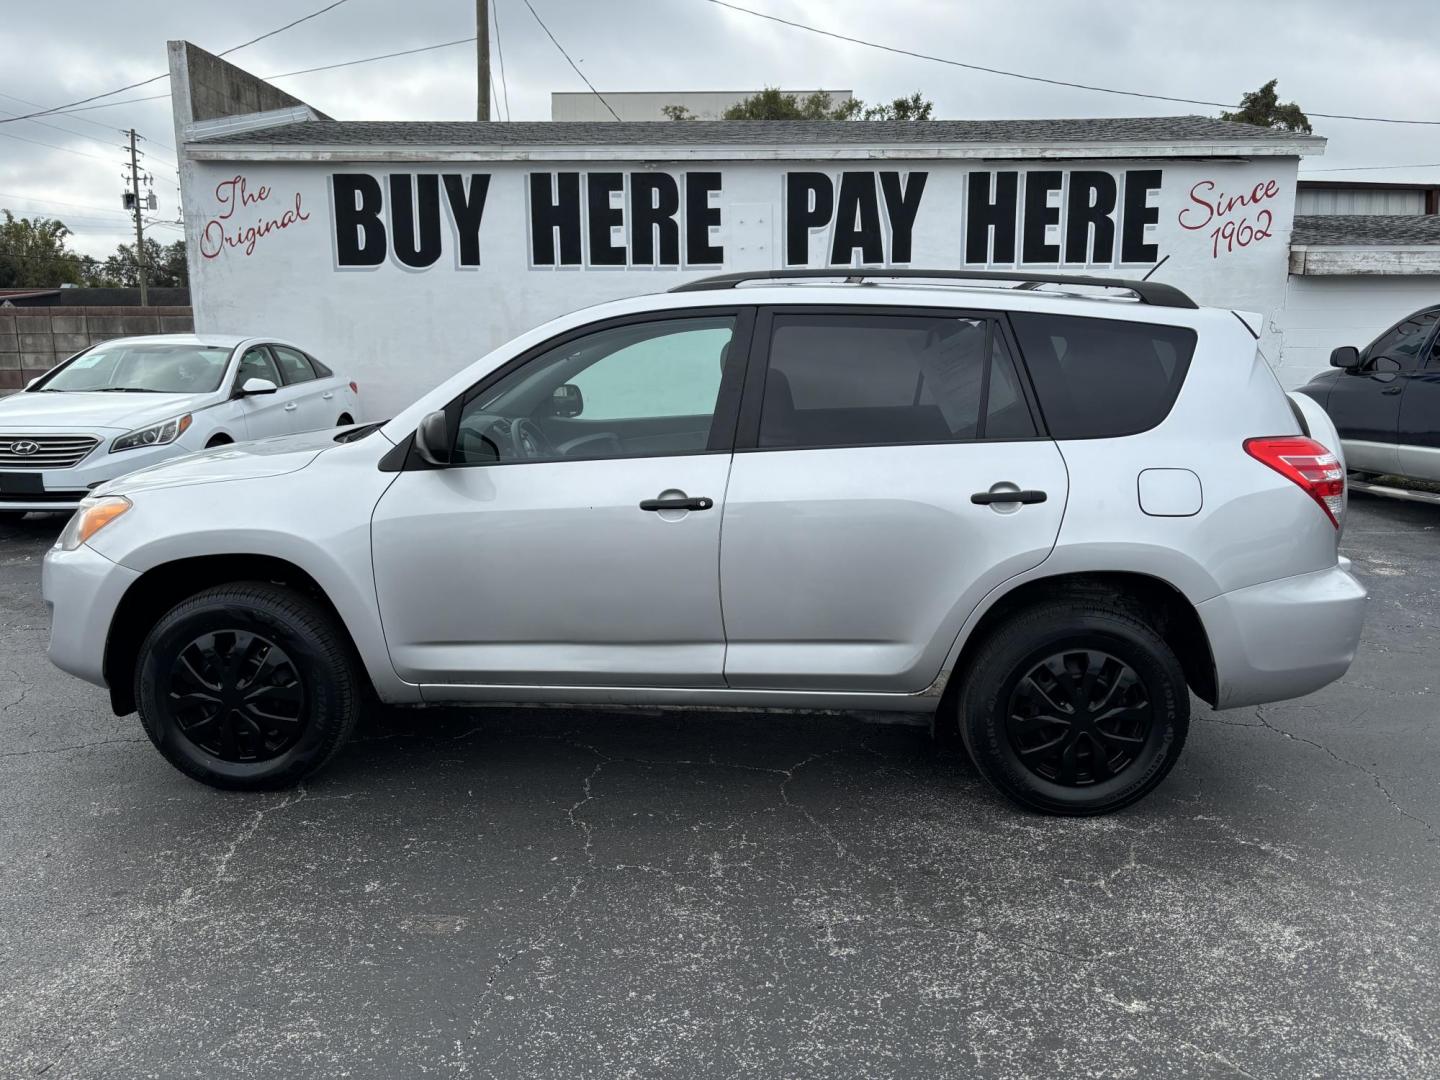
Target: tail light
1316 470
354 388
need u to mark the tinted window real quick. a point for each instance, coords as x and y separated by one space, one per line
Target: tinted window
321 370
645 389
857 380
160 367
294 366
256 364
1404 342
1100 378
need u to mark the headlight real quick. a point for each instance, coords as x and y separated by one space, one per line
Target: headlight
154 435
93 515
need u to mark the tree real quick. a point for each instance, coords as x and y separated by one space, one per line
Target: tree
166 266
33 254
1263 109
914 107
677 112
774 104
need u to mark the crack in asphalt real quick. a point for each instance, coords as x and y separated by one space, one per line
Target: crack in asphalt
68 749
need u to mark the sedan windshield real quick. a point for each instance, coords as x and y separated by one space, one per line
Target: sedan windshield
148 367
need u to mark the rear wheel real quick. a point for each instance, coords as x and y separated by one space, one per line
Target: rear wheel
247 686
344 420
1074 707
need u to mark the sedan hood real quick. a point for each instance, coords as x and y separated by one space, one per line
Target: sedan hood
240 461
37 411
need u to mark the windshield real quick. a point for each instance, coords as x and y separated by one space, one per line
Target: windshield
153 367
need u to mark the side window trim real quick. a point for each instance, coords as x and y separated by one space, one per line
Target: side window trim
1428 344
722 428
747 438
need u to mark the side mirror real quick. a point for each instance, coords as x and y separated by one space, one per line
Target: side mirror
33 381
567 402
257 388
432 440
1346 357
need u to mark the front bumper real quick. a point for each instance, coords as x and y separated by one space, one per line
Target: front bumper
82 589
62 489
1285 638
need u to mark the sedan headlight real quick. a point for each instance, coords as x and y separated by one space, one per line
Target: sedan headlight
154 435
93 515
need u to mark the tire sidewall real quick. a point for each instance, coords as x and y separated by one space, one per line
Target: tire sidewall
1014 651
323 700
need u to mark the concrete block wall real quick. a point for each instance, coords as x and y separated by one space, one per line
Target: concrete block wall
33 340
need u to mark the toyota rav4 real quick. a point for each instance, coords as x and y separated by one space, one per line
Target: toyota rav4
1038 514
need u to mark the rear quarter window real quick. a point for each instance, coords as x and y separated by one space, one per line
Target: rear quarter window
1102 378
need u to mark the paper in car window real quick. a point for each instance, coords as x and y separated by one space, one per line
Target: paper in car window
953 366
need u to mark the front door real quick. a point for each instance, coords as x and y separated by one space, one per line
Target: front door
575 539
266 415
1419 434
1365 403
876 496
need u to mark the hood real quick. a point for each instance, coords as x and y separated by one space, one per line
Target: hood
239 461
35 412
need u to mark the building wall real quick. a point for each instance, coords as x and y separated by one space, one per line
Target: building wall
644 105
1359 201
1322 312
33 340
267 241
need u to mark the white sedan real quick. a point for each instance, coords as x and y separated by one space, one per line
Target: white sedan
133 402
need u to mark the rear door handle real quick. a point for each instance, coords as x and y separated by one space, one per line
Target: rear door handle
1392 390
328 394
291 407
700 503
985 498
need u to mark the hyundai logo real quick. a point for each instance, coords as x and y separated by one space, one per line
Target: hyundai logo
24 448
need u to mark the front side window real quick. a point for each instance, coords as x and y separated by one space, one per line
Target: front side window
149 367
644 389
294 366
256 364
1402 344
1102 378
860 380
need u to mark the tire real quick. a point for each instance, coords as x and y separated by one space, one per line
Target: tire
311 690
1074 654
12 517
219 440
344 420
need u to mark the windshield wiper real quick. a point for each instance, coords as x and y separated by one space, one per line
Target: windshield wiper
130 390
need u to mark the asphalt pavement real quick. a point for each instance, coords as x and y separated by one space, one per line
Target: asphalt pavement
576 893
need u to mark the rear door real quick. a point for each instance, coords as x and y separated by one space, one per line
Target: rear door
306 391
1365 404
853 546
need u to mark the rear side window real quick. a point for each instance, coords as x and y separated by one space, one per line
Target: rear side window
864 380
320 369
1102 378
295 366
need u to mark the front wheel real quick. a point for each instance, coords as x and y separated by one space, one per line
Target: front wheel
247 686
1074 707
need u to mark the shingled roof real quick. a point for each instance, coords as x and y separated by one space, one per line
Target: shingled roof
1366 230
1136 129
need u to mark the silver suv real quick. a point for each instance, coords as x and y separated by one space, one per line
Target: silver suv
1037 514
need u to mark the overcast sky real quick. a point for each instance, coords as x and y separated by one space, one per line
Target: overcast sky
1379 58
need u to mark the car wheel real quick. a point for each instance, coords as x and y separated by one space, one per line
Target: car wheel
219 440
247 686
1074 707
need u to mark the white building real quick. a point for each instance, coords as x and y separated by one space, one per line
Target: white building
401 251
650 105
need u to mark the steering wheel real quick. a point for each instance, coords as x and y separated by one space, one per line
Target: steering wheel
528 440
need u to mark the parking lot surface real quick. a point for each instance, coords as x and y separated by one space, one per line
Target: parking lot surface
578 893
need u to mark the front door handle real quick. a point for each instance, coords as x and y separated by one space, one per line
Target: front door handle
1392 389
700 503
985 498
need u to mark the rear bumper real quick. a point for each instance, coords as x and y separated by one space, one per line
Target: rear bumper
1285 638
82 589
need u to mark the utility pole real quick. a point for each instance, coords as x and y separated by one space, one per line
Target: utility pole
482 59
136 205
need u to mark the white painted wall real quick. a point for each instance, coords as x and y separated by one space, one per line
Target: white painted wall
1323 312
399 331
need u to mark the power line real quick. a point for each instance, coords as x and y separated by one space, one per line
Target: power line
572 63
504 86
57 202
1028 78
352 63
52 146
166 75
1376 168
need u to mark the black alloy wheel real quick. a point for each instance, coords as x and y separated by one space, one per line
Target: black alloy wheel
237 696
1079 717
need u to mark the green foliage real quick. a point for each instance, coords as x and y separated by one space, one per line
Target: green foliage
1263 109
33 254
166 266
774 104
914 107
677 112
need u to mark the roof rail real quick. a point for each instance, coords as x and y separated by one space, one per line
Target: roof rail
1147 292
